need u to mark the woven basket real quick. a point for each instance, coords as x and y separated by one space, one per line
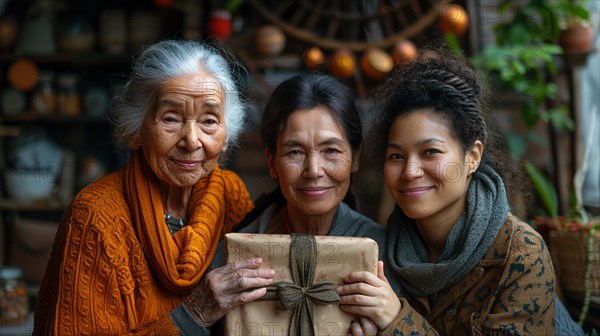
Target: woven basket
569 254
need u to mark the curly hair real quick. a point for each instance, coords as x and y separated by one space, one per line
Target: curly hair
452 88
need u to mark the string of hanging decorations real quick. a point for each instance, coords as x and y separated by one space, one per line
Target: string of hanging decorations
353 25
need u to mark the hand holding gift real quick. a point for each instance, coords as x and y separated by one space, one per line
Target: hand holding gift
370 295
226 287
302 300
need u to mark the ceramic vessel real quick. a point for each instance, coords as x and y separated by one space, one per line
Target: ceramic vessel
270 40
219 25
9 30
27 186
577 39
76 35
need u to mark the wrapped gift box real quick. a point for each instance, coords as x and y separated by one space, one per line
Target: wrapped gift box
325 258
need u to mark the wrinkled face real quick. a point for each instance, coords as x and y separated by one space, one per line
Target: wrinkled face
182 139
313 162
426 170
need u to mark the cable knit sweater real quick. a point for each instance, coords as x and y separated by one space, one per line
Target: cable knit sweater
109 274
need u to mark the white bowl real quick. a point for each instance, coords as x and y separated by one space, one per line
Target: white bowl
28 186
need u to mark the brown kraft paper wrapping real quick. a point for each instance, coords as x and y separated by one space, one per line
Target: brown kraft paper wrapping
336 258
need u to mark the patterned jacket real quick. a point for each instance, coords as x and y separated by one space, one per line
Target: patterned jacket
510 292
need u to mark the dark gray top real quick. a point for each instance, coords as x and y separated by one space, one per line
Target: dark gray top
346 223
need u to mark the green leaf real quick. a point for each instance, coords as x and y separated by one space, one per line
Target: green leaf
522 85
581 13
507 74
549 90
452 41
544 188
531 114
560 118
519 68
504 5
232 5
552 68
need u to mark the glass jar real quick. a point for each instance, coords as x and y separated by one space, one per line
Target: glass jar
69 101
14 303
44 99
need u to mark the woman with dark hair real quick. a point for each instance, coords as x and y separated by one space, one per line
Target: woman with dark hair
465 263
132 247
312 132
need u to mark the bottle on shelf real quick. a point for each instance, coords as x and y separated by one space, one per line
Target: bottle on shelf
44 98
69 101
14 302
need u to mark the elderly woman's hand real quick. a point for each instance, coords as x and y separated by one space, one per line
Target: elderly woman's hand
369 295
226 287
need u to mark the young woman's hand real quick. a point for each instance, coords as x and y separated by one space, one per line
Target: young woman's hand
226 287
369 295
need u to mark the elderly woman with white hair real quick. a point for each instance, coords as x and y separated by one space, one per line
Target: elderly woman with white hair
132 247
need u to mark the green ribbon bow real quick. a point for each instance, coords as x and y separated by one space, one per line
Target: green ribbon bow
300 294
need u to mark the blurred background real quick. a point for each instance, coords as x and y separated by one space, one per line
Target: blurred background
61 60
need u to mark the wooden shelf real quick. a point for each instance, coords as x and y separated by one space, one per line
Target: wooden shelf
29 117
83 59
50 204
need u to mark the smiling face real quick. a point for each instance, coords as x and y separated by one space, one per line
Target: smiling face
313 162
182 139
426 169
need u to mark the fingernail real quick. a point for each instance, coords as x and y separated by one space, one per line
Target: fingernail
257 260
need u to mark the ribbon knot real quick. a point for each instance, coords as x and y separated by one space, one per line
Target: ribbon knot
300 294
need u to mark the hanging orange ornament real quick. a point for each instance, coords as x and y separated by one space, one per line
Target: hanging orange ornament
404 51
270 40
313 58
454 19
342 64
376 63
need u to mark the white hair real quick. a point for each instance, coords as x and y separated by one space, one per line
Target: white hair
162 61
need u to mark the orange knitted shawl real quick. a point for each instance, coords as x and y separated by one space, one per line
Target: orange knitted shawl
181 259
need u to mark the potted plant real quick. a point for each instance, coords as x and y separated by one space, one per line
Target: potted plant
523 60
574 239
576 34
220 24
574 243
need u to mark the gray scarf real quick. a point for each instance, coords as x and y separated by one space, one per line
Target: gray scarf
467 242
